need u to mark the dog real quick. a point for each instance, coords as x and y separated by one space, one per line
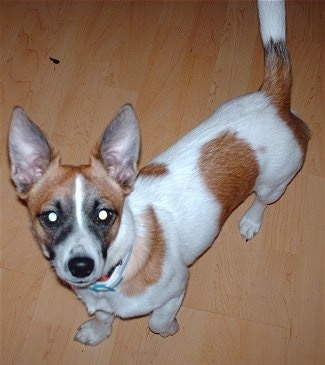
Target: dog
123 239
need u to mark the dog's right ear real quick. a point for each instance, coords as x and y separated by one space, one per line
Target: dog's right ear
29 150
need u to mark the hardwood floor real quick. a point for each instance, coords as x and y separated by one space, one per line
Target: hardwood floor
257 303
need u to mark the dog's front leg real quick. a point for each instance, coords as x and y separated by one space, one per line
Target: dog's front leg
163 321
95 330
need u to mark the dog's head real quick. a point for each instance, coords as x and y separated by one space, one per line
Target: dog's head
76 210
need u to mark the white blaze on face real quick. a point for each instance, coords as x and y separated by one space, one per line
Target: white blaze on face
79 198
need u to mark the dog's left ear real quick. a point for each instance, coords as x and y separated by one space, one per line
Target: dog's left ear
29 150
120 146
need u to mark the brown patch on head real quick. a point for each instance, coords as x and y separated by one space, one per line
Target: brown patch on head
154 169
55 182
146 262
57 188
229 168
108 190
107 187
60 181
277 85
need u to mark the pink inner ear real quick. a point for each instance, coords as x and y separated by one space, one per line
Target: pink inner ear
28 173
38 173
30 152
119 147
124 175
22 178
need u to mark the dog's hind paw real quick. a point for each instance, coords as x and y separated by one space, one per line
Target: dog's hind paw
248 229
93 332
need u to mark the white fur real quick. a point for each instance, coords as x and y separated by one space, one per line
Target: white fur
272 20
79 198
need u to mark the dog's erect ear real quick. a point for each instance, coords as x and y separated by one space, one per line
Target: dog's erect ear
29 151
119 147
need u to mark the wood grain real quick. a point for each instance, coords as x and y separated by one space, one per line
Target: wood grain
258 303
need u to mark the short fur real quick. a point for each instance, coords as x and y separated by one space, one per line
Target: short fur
94 220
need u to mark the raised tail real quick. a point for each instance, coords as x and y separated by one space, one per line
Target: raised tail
277 75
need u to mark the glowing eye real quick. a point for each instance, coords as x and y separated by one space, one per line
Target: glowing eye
103 215
52 217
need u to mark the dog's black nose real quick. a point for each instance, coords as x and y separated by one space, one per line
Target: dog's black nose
81 266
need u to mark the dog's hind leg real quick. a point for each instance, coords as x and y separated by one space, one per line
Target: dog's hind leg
251 221
163 321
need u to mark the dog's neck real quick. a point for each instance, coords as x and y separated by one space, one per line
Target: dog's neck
145 264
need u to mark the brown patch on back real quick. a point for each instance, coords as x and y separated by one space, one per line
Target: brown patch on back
277 85
229 168
154 169
145 266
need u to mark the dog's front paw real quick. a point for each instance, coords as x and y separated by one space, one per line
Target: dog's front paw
170 331
93 332
248 229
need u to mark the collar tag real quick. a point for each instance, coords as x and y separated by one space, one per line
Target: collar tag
103 286
114 280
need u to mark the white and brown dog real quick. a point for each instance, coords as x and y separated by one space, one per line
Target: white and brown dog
124 240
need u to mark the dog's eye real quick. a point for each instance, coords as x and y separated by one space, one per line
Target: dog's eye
105 216
50 219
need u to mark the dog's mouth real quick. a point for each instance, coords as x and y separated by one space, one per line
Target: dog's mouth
85 272
80 284
107 282
76 282
88 281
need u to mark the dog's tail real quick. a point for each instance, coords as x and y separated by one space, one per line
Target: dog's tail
277 77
